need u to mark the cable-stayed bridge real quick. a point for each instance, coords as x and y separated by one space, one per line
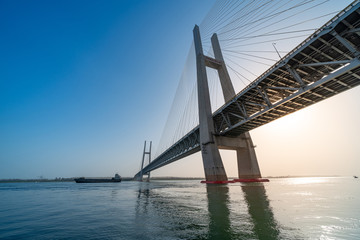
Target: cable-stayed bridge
324 64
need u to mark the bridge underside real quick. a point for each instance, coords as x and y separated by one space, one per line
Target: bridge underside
325 64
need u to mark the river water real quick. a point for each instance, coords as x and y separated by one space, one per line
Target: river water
284 208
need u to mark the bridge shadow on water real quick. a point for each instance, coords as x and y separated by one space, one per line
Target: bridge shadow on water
214 215
264 225
219 213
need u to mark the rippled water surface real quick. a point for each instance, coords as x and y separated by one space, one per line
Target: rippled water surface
291 208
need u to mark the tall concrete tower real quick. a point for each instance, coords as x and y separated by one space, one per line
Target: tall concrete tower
210 144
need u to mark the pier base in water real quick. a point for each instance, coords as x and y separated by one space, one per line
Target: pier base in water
242 180
217 182
246 180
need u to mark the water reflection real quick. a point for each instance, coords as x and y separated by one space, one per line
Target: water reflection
260 212
265 225
218 201
143 197
162 212
170 212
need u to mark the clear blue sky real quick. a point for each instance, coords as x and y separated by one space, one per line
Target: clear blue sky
84 83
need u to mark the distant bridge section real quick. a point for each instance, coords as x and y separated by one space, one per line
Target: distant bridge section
323 65
186 146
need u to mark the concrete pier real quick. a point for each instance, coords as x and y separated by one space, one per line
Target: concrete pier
248 167
213 166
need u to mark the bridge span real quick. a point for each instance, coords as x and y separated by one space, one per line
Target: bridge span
325 64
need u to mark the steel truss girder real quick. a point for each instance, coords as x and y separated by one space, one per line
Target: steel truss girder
352 31
335 48
324 63
283 88
346 43
295 75
306 89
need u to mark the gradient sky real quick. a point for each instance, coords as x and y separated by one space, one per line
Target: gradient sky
84 83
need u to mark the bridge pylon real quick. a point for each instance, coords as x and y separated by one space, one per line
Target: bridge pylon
210 143
213 165
141 174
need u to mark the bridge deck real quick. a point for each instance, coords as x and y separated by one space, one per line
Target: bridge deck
325 64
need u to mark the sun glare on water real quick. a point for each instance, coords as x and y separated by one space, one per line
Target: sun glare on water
306 180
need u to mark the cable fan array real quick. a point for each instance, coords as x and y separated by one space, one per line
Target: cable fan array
252 35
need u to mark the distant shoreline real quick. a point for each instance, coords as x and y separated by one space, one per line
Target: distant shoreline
50 180
153 178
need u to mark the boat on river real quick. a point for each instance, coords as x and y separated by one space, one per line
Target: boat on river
117 178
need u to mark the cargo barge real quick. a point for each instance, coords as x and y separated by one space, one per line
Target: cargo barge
117 178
